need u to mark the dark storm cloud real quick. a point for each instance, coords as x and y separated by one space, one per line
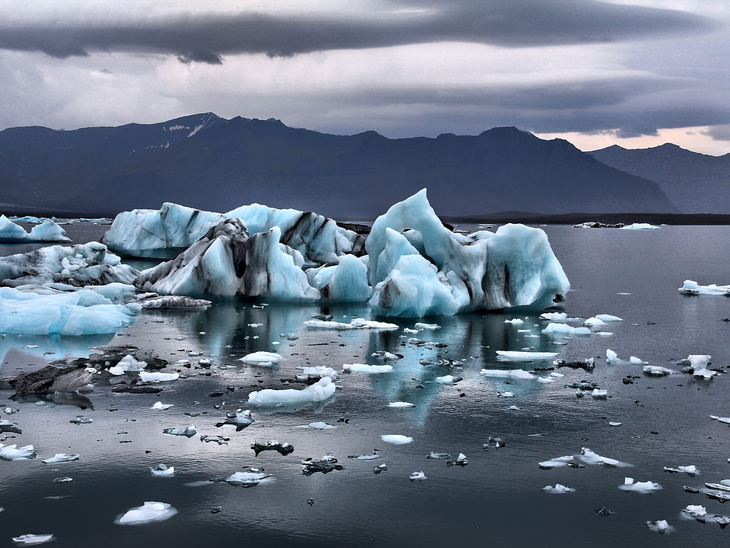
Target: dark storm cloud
207 38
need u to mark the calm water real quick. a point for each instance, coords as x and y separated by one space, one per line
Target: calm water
497 498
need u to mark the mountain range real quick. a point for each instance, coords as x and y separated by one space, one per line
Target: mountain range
213 163
694 183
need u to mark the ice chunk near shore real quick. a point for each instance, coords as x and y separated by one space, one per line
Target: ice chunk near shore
147 513
13 452
365 368
690 287
396 439
263 359
318 392
519 356
642 487
158 376
62 457
227 262
32 540
558 489
127 363
484 271
77 266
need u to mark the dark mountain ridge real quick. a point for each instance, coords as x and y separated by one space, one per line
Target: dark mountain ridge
211 163
695 183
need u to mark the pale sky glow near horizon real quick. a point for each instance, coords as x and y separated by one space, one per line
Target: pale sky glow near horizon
637 73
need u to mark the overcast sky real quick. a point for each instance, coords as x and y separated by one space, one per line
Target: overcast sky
633 72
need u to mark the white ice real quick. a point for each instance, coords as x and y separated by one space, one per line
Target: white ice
356 323
636 361
639 226
157 376
691 287
508 374
163 471
316 372
657 371
62 457
320 391
127 363
13 452
396 439
659 526
426 326
519 356
558 489
263 359
401 405
47 231
608 318
562 329
246 479
417 476
365 368
446 379
147 513
31 540
642 487
162 406
689 469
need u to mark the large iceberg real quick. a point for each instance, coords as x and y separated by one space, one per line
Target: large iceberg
47 231
513 267
165 233
227 262
77 265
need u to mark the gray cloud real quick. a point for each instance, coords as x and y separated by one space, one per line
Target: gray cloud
208 38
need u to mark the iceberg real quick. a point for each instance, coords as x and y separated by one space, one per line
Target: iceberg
356 323
76 266
227 262
32 540
639 226
642 487
519 356
318 392
147 513
246 479
62 457
157 376
13 452
165 233
47 231
483 271
263 359
364 368
558 489
396 439
162 471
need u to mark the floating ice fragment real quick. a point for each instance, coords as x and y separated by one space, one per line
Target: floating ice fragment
599 394
7 426
608 318
604 512
356 323
460 461
246 479
657 371
508 374
691 470
594 322
691 287
379 468
156 376
163 471
240 419
316 372
447 379
588 364
318 392
283 448
505 394
515 321
585 457
417 476
558 489
188 432
562 329
326 464
319 425
612 423
364 457
518 356
725 420
162 406
12 452
262 359
364 368
31 540
401 404
695 511
149 512
426 326
639 226
611 356
636 361
61 457
396 439
642 487
438 456
81 420
386 356
660 526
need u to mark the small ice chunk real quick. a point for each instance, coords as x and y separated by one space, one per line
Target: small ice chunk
316 372
401 405
357 323
724 420
599 394
460 461
396 439
246 479
694 511
613 423
611 356
163 471
281 447
636 361
262 359
558 489
639 226
386 356
188 432
515 321
365 368
438 456
608 318
127 363
642 487
562 329
417 476
657 371
240 419
660 526
519 356
149 512
558 317
594 322
162 406
319 425
326 464
508 374
317 392
61 457
364 457
31 540
447 379
426 326
505 394
156 376
691 470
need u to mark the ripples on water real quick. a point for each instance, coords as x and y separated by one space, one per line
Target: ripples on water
497 498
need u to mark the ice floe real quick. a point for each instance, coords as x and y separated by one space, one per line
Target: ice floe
657 371
521 356
642 487
563 329
240 419
639 226
690 469
162 471
326 464
690 287
159 406
318 392
396 439
401 405
61 457
586 456
246 479
157 376
508 374
356 323
365 368
316 372
558 489
32 540
13 452
659 526
147 513
263 359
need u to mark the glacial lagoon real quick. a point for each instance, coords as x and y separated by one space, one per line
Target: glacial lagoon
497 497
